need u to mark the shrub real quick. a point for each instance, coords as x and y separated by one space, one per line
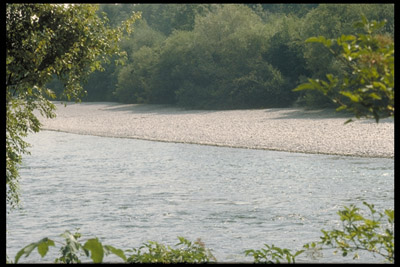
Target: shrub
188 252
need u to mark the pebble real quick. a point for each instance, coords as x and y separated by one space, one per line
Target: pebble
283 129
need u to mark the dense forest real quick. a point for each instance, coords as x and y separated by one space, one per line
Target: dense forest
226 56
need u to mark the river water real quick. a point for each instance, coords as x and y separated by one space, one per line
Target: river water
127 191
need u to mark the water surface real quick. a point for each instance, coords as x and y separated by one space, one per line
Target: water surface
128 191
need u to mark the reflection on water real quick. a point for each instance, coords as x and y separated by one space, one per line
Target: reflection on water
128 191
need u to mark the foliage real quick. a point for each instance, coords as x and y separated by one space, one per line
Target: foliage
284 8
43 41
72 251
227 56
331 21
360 233
285 50
123 81
367 89
42 247
158 253
166 18
220 63
134 81
272 254
231 61
373 234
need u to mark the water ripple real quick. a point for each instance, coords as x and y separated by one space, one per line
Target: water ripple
128 191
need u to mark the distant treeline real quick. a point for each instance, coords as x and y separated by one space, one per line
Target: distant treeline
226 56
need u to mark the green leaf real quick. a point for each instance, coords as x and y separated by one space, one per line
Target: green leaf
348 121
345 38
357 217
319 39
304 86
96 249
353 97
26 250
332 79
364 19
43 246
277 249
370 206
390 214
379 85
375 96
371 223
118 252
298 253
50 93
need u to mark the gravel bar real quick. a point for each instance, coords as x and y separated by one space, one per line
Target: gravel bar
283 129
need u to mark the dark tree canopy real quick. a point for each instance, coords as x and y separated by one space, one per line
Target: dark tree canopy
224 56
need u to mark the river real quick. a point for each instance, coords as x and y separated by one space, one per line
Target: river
127 191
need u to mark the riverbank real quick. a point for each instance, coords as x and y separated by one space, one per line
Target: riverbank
288 129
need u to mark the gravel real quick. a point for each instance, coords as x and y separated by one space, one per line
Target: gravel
283 129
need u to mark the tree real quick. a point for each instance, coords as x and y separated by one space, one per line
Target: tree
68 41
166 18
134 79
219 64
331 21
367 88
